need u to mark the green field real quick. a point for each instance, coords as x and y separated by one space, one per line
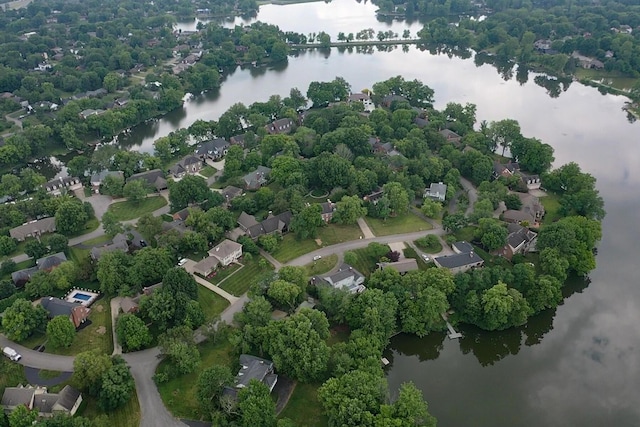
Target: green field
407 223
92 224
125 416
321 266
212 304
208 171
365 263
430 249
223 273
250 274
291 248
100 240
303 408
11 374
551 203
127 210
179 393
465 234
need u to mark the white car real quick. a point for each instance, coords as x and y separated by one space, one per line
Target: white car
182 262
11 354
317 257
425 258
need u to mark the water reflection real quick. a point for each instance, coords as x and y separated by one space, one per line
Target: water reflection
426 348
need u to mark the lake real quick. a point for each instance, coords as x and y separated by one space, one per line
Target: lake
575 366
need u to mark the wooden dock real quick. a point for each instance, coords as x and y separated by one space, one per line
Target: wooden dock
453 334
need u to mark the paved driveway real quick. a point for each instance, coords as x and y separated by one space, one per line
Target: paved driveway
100 204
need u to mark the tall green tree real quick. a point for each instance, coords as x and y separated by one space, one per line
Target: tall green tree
22 319
132 332
60 332
256 407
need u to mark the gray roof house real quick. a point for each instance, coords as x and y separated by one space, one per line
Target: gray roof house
67 401
257 178
98 178
187 165
279 126
47 263
252 368
437 191
212 149
57 307
462 247
58 185
116 245
230 192
206 266
273 224
346 278
520 240
402 266
451 136
154 179
459 263
33 229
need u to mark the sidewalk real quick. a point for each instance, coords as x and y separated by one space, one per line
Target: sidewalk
277 264
364 227
224 294
115 308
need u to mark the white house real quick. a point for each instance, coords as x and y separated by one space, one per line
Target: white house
437 191
226 252
346 278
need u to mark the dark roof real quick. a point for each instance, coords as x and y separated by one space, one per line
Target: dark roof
15 396
136 238
212 146
44 402
462 247
20 277
252 368
401 266
254 179
230 192
247 221
58 307
50 261
459 260
184 163
270 225
154 177
327 207
394 98
343 272
68 397
119 245
182 214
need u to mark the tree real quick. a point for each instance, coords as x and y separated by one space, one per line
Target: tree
504 133
117 385
135 190
149 266
70 217
149 226
284 293
7 245
22 416
398 197
483 209
409 409
211 382
546 293
89 368
57 243
577 189
307 221
178 280
179 346
354 398
132 332
60 332
190 189
374 311
491 234
297 345
431 208
512 201
113 272
552 263
348 210
112 186
78 166
269 242
255 405
110 224
10 185
454 222
503 308
21 319
35 249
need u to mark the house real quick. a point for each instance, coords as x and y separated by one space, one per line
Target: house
327 210
437 191
280 126
246 221
85 114
459 263
273 224
531 181
346 278
153 178
238 140
188 165
374 197
402 266
363 98
77 313
212 149
116 245
183 214
257 178
531 205
206 266
98 178
226 252
517 217
451 136
421 122
505 170
389 100
56 186
587 62
543 46
128 305
519 241
67 401
462 247
33 229
230 192
47 263
252 368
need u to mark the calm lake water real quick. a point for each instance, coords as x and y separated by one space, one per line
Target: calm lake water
576 366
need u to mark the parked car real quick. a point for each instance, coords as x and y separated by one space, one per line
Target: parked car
426 258
182 262
317 257
11 354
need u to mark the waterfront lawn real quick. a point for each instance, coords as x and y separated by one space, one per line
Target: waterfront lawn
407 223
212 304
208 171
125 416
321 266
303 407
551 203
250 274
128 210
179 393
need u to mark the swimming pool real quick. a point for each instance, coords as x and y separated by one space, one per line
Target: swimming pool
83 297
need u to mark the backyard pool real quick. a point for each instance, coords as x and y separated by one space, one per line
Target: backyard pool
86 298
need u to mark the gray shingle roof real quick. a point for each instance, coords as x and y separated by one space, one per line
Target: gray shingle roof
14 396
458 260
50 261
252 368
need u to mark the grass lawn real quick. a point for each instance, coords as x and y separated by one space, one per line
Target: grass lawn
208 171
212 304
608 78
96 336
406 223
303 408
411 253
222 274
89 226
465 233
321 266
551 203
19 250
434 248
11 374
127 210
100 240
125 416
290 248
365 263
179 393
251 273
78 254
